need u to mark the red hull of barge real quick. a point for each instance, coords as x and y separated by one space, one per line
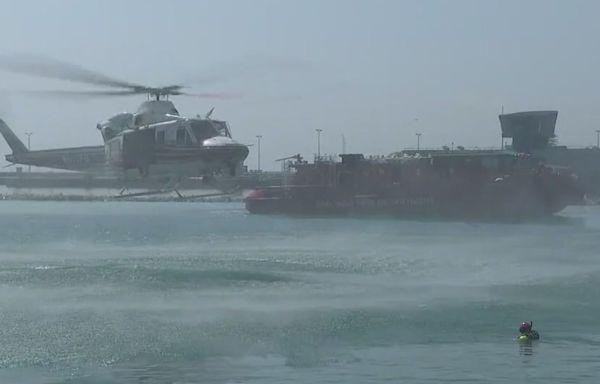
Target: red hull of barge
493 185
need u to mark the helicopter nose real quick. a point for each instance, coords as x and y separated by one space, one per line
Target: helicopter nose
228 147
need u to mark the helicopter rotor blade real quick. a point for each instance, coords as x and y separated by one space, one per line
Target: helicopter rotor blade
54 69
171 90
41 66
70 94
209 95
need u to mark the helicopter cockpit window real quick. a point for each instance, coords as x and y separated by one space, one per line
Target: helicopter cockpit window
221 127
203 129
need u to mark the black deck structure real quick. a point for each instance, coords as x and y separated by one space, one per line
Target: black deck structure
530 131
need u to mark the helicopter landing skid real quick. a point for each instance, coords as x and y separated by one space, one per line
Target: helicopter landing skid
122 195
194 197
179 197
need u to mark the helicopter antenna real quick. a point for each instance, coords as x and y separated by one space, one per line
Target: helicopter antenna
207 116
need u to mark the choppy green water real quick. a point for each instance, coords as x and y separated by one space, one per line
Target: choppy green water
192 292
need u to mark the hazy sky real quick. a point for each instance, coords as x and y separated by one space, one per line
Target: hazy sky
375 71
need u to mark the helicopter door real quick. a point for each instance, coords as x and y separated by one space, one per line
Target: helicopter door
138 149
180 139
160 137
183 138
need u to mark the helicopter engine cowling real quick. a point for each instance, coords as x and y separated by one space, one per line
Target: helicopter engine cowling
114 125
155 111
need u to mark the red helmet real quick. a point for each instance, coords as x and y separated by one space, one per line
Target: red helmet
525 327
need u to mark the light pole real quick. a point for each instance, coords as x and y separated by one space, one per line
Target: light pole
319 143
258 137
418 140
597 138
28 134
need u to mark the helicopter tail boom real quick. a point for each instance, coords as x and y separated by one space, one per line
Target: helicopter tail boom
13 141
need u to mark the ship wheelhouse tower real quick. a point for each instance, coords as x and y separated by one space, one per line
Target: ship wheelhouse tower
530 131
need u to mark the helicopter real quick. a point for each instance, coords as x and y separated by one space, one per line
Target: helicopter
155 140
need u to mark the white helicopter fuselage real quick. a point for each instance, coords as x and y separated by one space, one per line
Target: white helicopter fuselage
156 140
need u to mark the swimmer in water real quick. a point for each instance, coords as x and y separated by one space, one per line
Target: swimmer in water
527 333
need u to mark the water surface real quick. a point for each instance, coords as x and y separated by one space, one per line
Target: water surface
204 292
